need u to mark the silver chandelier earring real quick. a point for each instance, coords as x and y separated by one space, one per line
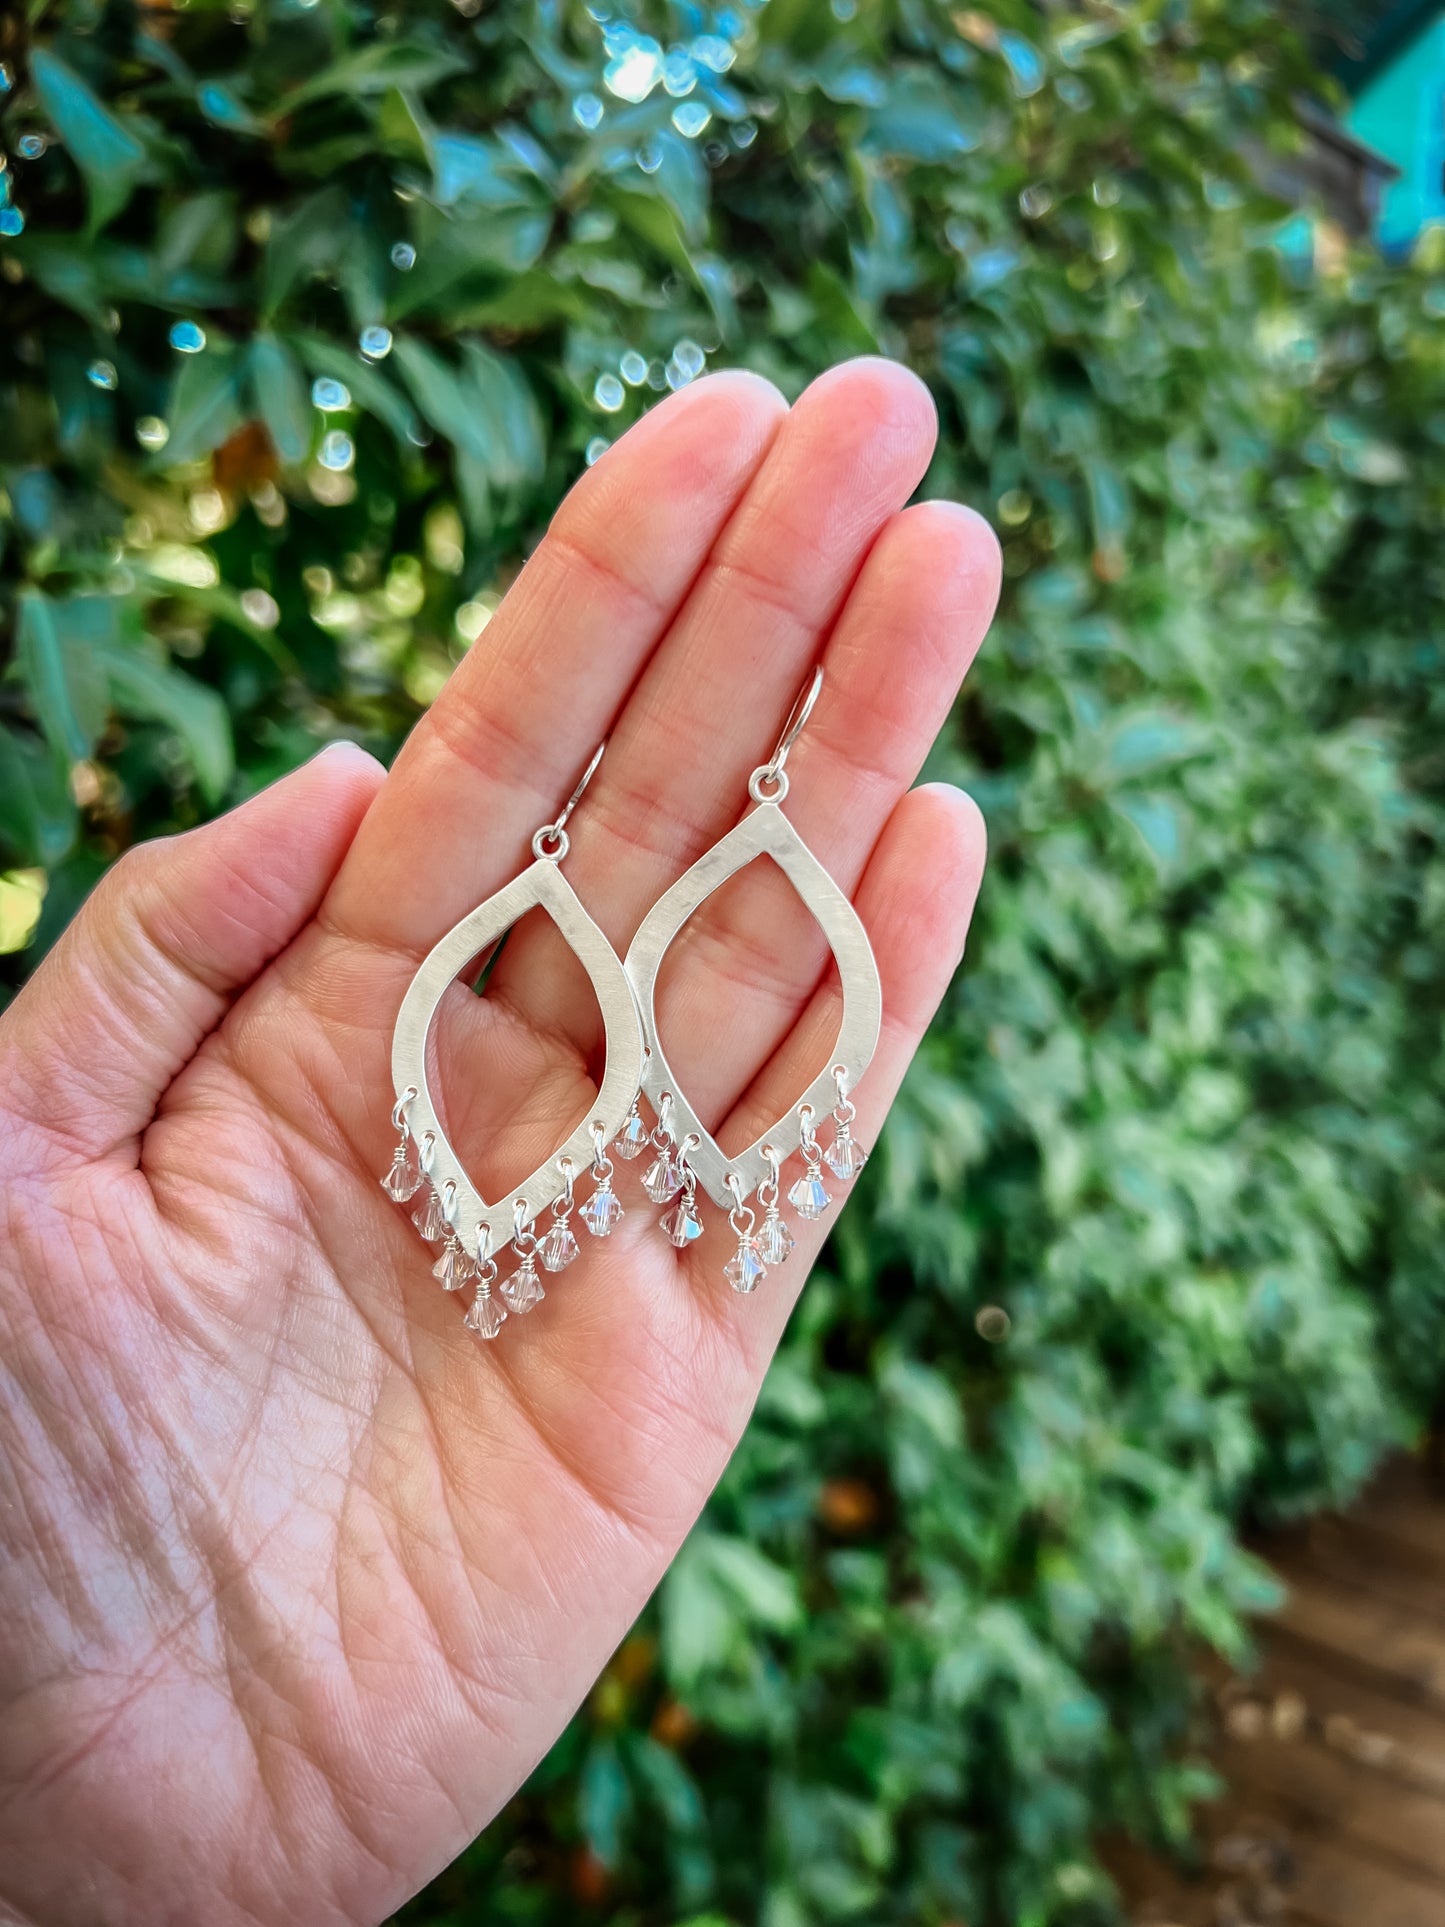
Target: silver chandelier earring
687 1154
451 1211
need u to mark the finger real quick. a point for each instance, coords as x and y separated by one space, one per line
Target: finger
750 959
707 709
916 901
170 935
495 755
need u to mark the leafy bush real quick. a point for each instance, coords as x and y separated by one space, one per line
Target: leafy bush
312 312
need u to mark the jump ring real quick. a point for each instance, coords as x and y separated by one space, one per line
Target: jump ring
768 785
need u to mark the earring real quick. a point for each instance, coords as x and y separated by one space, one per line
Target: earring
451 1211
687 1153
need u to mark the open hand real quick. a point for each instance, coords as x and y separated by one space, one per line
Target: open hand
298 1580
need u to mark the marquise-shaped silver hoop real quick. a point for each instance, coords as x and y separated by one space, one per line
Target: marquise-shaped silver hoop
481 1225
765 832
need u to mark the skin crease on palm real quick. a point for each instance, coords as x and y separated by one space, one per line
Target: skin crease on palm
297 1579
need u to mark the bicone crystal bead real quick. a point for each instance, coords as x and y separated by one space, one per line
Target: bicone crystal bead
559 1247
682 1224
662 1180
453 1268
775 1240
523 1289
845 1158
602 1212
745 1270
485 1317
810 1197
403 1180
632 1140
429 1218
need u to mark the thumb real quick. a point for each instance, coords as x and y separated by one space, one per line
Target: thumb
166 940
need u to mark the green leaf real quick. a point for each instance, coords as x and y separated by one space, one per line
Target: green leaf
838 312
668 1783
679 179
439 394
717 1590
604 1801
656 222
38 817
467 167
375 68
486 410
200 230
507 416
402 125
58 663
143 686
1147 741
107 153
220 105
305 242
67 270
281 398
468 250
1158 823
1108 504
698 1618
205 406
370 388
924 118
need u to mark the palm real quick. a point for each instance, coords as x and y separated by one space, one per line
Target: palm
301 1547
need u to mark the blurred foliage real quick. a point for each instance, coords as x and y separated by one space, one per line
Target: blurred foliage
312 310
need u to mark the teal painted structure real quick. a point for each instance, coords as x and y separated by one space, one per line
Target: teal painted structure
1399 111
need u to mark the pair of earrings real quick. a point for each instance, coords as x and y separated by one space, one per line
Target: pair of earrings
472 1232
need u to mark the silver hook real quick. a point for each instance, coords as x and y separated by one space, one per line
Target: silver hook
552 839
797 721
769 782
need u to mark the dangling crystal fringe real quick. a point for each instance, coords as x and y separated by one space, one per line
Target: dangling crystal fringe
775 1239
403 1180
429 1218
485 1316
663 1178
559 1247
810 1197
745 1270
845 1158
523 1289
602 1211
682 1224
633 1139
454 1268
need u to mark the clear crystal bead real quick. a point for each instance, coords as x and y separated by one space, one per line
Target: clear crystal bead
453 1268
486 1316
682 1224
632 1140
523 1289
602 1212
745 1270
810 1197
844 1158
403 1180
775 1240
429 1218
662 1180
559 1247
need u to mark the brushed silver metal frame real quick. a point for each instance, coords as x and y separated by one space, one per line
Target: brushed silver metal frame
541 885
764 832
